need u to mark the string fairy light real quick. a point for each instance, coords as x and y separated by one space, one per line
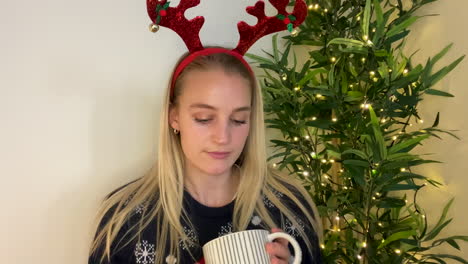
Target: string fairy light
294 33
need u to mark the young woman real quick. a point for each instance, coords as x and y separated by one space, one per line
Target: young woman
210 178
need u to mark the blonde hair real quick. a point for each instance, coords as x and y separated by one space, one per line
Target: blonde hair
163 184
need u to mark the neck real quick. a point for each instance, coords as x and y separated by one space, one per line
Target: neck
212 190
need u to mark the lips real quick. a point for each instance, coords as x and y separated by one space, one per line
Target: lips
219 155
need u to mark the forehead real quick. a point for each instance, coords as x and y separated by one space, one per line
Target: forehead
220 89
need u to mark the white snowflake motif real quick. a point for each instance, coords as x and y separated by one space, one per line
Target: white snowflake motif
139 208
192 239
267 201
256 220
293 230
171 259
226 229
144 253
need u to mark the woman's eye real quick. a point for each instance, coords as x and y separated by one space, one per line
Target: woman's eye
202 121
239 122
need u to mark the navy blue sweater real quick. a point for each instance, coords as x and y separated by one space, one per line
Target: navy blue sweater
209 223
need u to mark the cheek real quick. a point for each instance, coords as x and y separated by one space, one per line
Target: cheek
241 134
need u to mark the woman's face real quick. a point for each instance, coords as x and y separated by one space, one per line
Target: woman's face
213 117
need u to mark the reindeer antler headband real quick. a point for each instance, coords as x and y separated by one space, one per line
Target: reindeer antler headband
173 17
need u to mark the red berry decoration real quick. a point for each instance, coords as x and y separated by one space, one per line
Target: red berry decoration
287 21
163 12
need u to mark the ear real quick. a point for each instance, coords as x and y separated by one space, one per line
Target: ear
174 117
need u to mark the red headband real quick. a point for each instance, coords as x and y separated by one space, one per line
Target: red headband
204 52
173 17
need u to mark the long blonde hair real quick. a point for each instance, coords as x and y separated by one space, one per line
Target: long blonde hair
163 184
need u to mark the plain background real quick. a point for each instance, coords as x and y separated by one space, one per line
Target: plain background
80 85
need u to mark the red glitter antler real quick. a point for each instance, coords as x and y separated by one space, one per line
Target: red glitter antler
173 18
267 25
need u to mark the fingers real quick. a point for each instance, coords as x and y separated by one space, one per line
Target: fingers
280 240
278 250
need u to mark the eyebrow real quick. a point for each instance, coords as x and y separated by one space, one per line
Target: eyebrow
205 106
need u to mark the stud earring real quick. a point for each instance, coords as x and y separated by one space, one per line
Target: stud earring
176 131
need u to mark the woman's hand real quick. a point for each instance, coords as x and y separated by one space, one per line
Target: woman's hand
278 249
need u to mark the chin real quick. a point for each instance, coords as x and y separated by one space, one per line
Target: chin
217 170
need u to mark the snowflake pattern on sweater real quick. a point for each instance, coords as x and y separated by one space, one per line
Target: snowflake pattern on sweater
209 223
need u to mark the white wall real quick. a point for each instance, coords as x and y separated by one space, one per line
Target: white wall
430 35
80 87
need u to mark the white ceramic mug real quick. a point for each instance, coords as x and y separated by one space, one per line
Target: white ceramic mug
245 247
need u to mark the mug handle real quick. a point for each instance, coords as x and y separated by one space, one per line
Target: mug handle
295 245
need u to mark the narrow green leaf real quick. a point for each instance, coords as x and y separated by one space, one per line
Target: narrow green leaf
400 187
431 235
397 236
448 256
445 211
359 163
453 243
366 18
378 134
389 202
275 47
436 122
441 54
444 71
402 26
438 93
406 144
346 41
359 153
311 74
380 23
258 58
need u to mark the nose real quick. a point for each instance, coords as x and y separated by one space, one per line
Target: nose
222 132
